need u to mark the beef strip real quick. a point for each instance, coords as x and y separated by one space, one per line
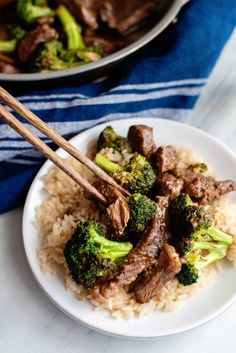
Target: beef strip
6 3
111 193
3 32
6 68
141 140
45 21
118 210
141 257
165 158
119 214
204 189
31 41
169 185
126 16
166 267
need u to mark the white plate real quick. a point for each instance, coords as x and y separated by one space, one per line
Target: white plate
207 303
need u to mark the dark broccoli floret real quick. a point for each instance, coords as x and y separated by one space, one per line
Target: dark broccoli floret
137 176
109 138
48 57
71 28
29 12
185 217
142 210
188 275
198 242
90 255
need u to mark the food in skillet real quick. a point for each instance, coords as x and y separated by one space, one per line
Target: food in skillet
49 35
146 251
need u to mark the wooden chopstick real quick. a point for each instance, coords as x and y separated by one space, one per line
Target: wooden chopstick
34 140
22 110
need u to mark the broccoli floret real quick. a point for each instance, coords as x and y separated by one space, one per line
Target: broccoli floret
198 242
137 176
109 138
188 275
77 57
142 210
90 255
185 217
48 57
53 57
41 2
29 12
71 28
8 46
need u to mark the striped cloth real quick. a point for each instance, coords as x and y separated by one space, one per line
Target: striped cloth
164 80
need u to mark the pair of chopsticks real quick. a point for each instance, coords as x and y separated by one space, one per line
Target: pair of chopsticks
28 135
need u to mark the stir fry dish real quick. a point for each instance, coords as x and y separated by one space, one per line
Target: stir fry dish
148 248
49 35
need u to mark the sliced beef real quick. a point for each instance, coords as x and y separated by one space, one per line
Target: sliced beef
3 32
126 16
118 210
45 21
141 140
204 189
141 257
31 41
169 185
111 193
5 58
119 214
6 68
166 267
6 3
165 158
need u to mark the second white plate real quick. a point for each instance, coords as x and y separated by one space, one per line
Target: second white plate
202 306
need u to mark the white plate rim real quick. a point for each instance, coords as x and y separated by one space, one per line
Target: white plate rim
139 120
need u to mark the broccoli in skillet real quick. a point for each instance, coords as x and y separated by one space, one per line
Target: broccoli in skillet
109 138
29 12
90 255
198 241
142 210
71 28
53 57
137 176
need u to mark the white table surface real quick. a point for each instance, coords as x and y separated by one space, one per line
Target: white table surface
30 323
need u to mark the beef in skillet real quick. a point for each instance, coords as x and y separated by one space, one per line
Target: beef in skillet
41 34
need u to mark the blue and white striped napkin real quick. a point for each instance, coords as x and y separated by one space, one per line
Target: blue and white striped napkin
164 80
